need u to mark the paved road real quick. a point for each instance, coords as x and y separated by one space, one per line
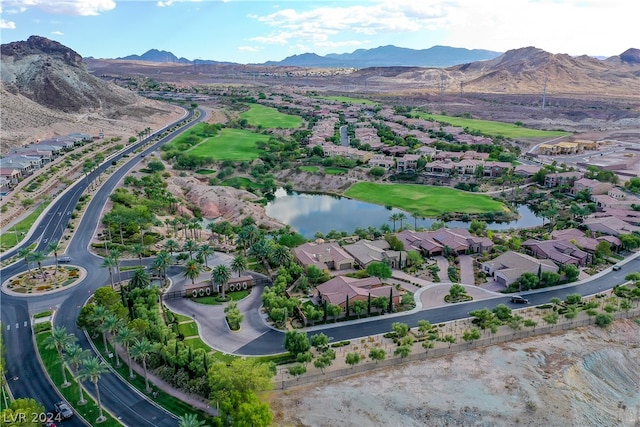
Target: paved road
117 396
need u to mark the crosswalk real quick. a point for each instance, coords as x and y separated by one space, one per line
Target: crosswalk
24 325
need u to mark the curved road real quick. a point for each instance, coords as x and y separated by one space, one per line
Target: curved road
30 379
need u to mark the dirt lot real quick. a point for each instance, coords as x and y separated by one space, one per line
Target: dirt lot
584 377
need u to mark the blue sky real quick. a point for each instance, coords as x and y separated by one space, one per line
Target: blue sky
256 31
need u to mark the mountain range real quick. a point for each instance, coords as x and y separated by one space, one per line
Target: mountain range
383 56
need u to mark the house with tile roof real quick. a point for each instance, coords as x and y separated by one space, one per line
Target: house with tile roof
337 290
432 243
562 252
508 267
367 251
325 256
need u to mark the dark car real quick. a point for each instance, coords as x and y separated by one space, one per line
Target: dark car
617 267
64 259
517 299
63 409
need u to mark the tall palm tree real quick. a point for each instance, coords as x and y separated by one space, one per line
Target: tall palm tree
125 337
60 340
190 246
183 222
109 263
190 420
205 251
172 246
55 248
281 255
25 253
75 355
99 315
115 254
38 257
92 370
138 249
141 351
111 325
161 263
239 264
401 217
393 218
140 279
192 270
220 276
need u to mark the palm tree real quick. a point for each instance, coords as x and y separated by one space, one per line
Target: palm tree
161 263
281 255
26 254
111 325
138 249
92 370
172 246
190 420
125 337
192 270
54 247
140 279
141 350
115 255
205 251
99 315
75 355
401 217
239 264
38 257
220 276
109 263
393 218
190 246
60 340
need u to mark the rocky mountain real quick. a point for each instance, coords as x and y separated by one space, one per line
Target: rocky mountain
528 70
56 77
391 56
155 55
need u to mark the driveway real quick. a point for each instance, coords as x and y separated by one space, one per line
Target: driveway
466 270
443 265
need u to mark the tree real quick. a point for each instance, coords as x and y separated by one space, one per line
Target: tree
377 354
359 306
125 337
220 276
161 263
604 319
471 335
353 359
23 409
380 270
450 339
297 369
25 253
172 246
235 388
140 279
60 340
403 351
401 329
205 251
92 370
75 355
296 342
502 312
190 420
141 351
314 274
528 281
394 218
239 264
414 258
192 270
571 272
109 263
55 248
111 325
603 249
38 257
551 318
320 341
456 292
427 345
138 250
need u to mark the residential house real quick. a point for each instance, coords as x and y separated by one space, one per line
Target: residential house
610 225
407 162
325 256
562 252
366 251
526 171
594 186
560 148
508 267
337 290
431 243
582 241
561 178
496 169
12 175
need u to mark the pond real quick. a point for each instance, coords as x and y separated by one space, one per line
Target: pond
311 213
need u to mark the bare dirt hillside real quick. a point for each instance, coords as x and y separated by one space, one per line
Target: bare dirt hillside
584 377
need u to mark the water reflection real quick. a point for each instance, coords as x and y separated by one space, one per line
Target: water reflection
312 213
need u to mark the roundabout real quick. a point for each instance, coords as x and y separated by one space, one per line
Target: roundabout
45 280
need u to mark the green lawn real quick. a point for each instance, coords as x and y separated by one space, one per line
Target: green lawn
196 343
51 362
14 234
230 144
425 200
188 329
335 171
310 169
205 171
267 117
349 100
241 183
212 300
508 130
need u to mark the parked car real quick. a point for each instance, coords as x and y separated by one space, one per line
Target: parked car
63 409
64 259
517 299
617 267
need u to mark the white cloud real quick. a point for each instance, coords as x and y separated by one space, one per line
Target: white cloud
248 49
64 7
7 25
57 33
168 3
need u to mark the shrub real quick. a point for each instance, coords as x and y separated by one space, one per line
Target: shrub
604 319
